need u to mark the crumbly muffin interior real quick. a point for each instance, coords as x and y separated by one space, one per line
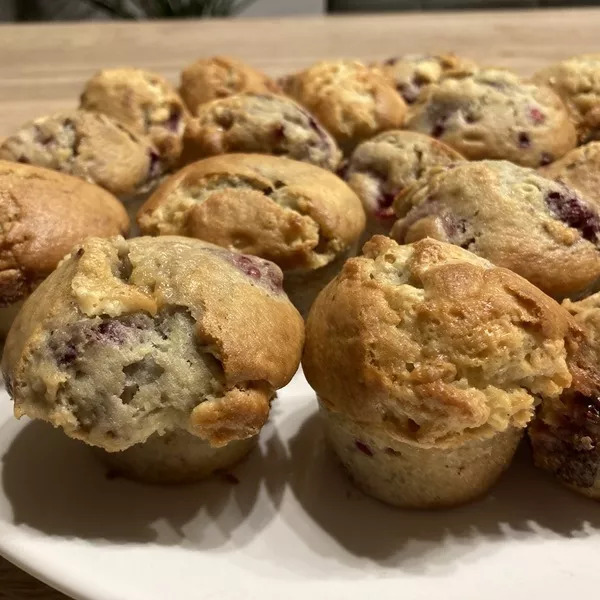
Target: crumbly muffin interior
135 368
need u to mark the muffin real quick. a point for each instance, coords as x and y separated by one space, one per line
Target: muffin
577 81
382 167
493 114
541 229
88 145
146 102
409 74
44 214
219 77
353 102
427 361
304 219
163 352
579 169
264 123
565 436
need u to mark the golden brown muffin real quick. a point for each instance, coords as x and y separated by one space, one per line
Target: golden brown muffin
43 214
492 113
183 344
410 73
514 217
264 123
304 219
88 145
382 167
577 81
146 102
566 433
427 361
352 101
580 170
219 77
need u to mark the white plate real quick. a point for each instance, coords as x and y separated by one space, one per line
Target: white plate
293 527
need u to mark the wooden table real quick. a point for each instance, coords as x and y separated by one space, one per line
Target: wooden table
42 68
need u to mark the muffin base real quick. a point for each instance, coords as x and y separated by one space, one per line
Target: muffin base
176 457
413 477
303 286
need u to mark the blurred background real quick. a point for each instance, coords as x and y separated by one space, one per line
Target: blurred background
73 10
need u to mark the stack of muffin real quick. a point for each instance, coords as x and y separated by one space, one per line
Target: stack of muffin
470 317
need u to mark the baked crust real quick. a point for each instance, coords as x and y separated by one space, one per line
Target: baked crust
89 145
492 113
218 77
431 345
352 101
541 229
264 123
43 214
241 318
290 212
146 102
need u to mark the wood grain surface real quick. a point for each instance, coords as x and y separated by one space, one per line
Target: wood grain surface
42 69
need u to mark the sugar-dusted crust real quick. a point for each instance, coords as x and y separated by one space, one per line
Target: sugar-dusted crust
492 113
579 169
541 229
431 345
352 101
170 333
577 81
89 145
43 214
264 123
410 73
218 77
146 102
287 211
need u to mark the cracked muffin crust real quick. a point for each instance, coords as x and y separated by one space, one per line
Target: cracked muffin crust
299 216
262 123
88 145
43 214
428 361
146 102
565 436
352 101
410 73
577 81
579 169
219 77
494 114
541 229
382 167
130 340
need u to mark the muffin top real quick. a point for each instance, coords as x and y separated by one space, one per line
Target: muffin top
290 212
543 230
43 215
264 123
89 145
579 169
218 77
577 81
352 101
410 73
494 114
385 165
434 346
566 433
168 333
146 102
